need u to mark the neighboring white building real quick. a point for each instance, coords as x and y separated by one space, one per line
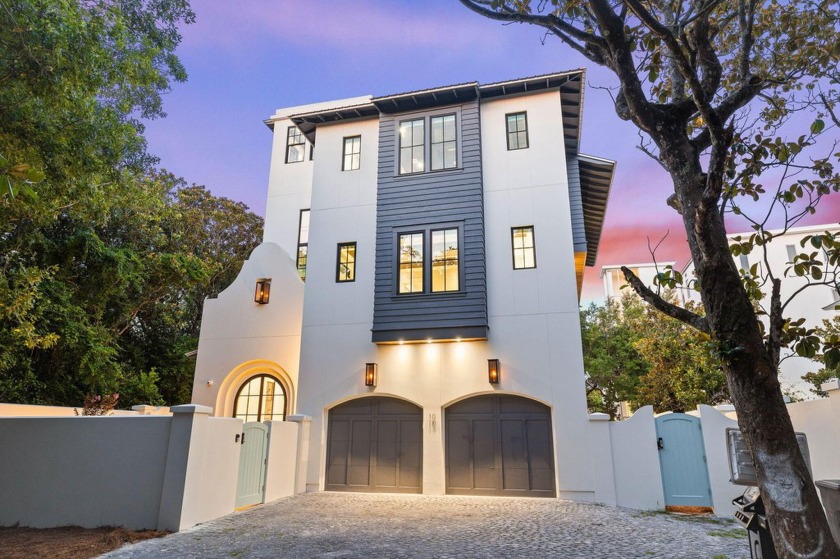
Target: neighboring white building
813 303
614 280
442 235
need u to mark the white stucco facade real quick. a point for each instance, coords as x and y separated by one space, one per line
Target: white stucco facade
532 314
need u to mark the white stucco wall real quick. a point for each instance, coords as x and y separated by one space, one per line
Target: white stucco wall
84 471
240 338
533 314
282 459
144 472
820 421
714 425
638 478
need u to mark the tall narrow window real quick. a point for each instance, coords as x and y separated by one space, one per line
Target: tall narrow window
517 131
303 243
524 252
445 260
346 266
295 145
444 143
745 263
791 252
411 263
352 153
412 146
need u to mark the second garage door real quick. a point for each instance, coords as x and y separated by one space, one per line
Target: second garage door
375 444
499 445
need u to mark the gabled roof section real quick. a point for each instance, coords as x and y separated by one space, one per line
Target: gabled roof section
596 175
570 84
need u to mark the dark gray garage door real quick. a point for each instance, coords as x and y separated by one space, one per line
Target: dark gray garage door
375 444
499 445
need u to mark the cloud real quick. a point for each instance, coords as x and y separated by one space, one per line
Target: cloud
334 23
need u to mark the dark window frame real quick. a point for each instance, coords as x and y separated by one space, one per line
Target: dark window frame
514 248
293 132
338 262
344 153
399 235
412 146
262 376
305 245
431 233
426 231
508 131
432 143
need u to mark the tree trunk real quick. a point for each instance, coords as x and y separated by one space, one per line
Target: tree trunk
798 525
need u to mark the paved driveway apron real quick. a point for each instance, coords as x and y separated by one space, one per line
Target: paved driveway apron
350 525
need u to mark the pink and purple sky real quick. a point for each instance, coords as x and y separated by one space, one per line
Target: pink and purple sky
246 59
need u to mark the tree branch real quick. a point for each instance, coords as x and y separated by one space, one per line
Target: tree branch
683 315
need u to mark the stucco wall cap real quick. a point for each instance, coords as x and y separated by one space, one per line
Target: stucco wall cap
599 416
833 384
192 408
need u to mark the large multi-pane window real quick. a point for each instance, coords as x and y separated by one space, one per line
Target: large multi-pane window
261 398
439 274
346 266
303 243
524 251
444 142
445 260
295 145
517 131
352 153
413 146
411 263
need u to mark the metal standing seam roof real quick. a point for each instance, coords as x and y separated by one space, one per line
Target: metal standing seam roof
595 173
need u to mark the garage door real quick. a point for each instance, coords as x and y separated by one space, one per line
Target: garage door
375 444
499 445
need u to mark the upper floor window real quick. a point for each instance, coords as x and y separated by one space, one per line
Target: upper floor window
411 263
261 398
303 243
295 145
346 265
413 146
441 271
517 131
444 143
445 260
524 250
352 153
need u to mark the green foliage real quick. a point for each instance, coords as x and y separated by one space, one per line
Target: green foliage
829 333
634 353
104 261
613 365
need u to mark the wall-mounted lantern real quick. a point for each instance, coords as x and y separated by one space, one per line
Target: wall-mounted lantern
370 374
494 371
263 291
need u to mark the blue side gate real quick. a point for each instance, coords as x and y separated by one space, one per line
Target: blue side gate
682 458
250 486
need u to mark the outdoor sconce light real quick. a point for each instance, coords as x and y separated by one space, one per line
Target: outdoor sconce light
493 371
370 374
263 291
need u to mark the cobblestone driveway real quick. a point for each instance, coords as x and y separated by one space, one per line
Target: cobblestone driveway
348 525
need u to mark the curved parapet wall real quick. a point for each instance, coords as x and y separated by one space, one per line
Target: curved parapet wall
239 335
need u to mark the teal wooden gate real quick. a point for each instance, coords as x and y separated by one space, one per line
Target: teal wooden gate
682 458
250 485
